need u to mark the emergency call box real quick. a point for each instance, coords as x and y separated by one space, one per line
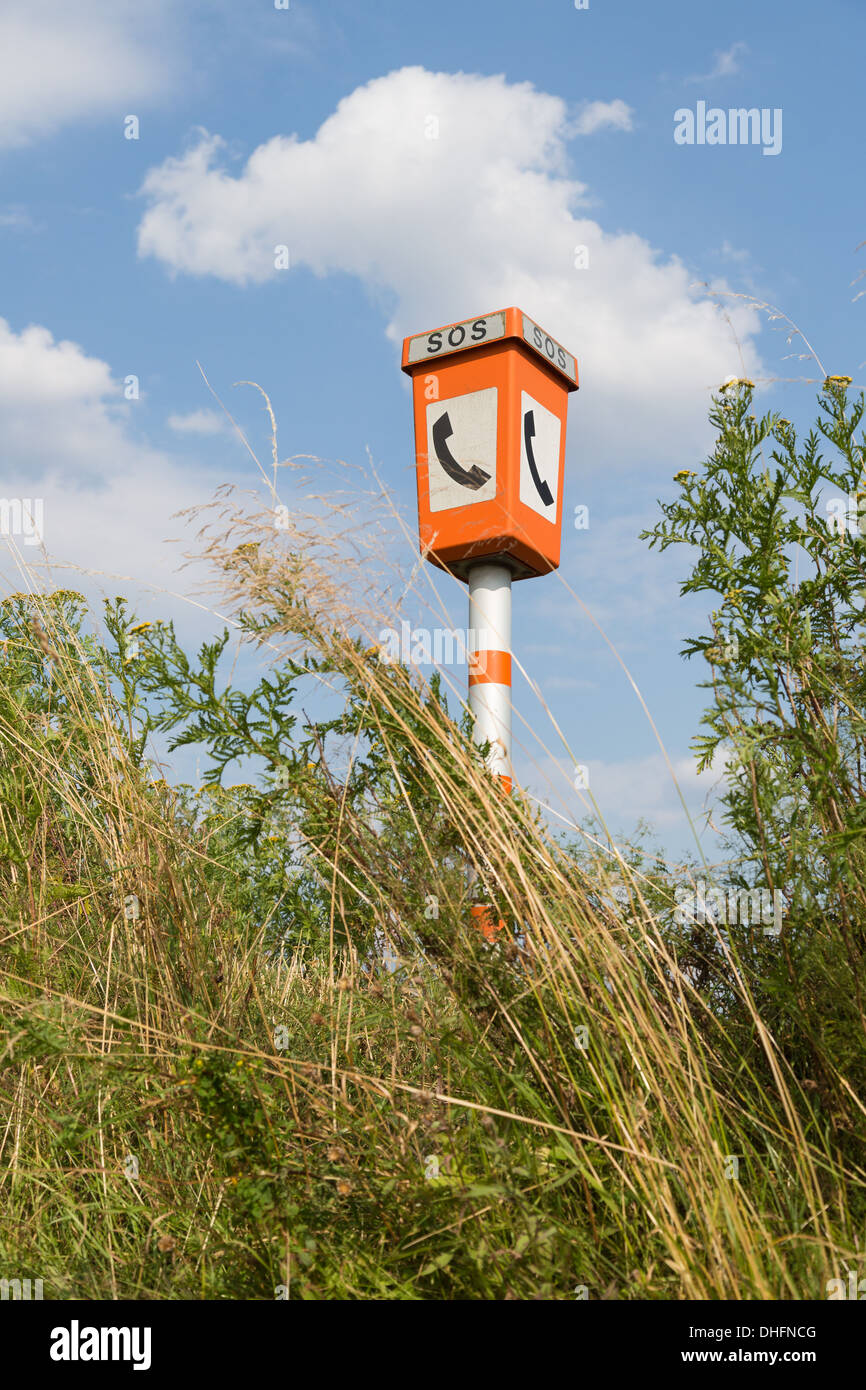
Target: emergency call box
490 397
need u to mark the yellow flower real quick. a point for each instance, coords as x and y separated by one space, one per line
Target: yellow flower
683 474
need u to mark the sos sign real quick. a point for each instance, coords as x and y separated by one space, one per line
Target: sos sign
548 347
490 328
471 333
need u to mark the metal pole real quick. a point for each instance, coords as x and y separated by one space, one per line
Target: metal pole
490 663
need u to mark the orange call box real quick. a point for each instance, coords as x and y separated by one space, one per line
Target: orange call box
490 397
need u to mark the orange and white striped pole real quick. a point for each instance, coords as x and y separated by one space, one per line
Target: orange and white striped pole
490 663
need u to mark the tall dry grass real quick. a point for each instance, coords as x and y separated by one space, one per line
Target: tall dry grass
254 1044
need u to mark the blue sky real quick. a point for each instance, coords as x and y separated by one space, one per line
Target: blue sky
308 127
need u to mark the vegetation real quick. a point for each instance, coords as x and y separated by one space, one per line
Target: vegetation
254 1044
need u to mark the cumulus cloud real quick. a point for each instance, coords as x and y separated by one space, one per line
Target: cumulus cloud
70 455
60 410
451 194
61 62
601 115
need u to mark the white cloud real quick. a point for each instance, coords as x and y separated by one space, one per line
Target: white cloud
61 62
483 215
66 439
59 408
727 63
198 422
599 115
